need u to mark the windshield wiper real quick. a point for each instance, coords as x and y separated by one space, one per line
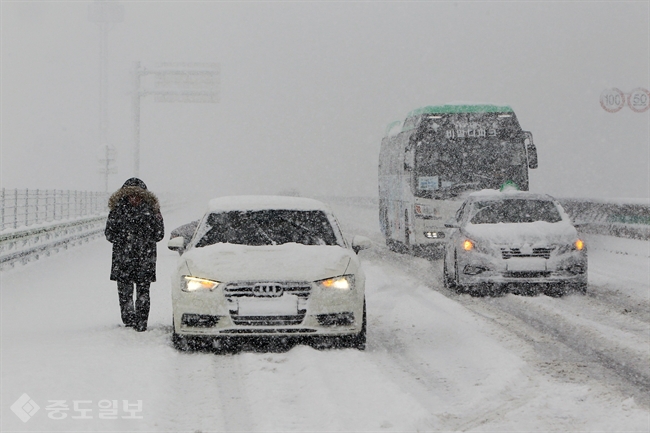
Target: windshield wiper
453 190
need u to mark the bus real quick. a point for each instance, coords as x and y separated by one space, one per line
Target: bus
436 156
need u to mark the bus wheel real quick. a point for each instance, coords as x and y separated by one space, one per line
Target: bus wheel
407 234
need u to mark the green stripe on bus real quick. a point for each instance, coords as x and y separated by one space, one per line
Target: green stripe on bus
456 109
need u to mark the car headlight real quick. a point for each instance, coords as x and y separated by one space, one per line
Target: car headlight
193 284
344 282
468 245
577 245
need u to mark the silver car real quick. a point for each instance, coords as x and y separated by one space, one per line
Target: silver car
515 241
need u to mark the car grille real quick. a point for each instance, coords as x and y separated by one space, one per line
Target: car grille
234 290
267 290
527 274
268 331
508 253
268 320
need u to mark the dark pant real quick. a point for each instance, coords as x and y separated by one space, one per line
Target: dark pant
138 314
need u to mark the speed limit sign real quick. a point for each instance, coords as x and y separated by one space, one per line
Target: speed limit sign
612 100
639 100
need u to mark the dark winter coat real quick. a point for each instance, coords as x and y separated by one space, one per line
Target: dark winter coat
134 231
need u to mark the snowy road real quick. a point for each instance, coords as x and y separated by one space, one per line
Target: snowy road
435 360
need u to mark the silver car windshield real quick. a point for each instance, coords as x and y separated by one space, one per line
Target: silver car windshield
268 227
514 211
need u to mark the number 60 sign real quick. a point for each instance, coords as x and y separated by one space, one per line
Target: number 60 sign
612 100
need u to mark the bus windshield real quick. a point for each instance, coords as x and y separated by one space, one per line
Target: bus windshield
450 158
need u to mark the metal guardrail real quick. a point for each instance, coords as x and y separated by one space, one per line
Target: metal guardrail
621 219
35 223
27 207
26 245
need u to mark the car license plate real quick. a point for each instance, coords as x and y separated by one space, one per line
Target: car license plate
286 305
526 264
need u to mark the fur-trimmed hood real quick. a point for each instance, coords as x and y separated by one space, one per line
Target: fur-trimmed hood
128 191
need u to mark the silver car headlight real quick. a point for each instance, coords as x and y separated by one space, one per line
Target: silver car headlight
344 282
193 284
577 245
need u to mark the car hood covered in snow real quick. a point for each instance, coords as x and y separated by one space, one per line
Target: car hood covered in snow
287 262
538 233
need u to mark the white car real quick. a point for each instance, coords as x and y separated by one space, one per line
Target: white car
268 266
514 240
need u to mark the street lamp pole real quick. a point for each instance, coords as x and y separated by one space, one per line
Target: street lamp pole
136 119
104 13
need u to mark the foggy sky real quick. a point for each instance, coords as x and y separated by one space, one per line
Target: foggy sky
307 90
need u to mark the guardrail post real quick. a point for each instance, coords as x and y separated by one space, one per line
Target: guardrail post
36 207
15 207
26 206
2 215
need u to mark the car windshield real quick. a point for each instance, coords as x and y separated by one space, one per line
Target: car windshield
268 227
514 211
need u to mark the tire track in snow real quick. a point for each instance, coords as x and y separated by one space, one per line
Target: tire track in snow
637 308
427 386
234 403
409 368
632 366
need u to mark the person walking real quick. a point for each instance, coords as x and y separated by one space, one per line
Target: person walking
134 226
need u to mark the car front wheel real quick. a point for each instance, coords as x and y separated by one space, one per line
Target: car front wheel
359 341
580 288
180 342
447 280
456 282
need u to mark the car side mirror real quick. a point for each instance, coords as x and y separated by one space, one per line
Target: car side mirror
177 244
452 224
531 150
360 243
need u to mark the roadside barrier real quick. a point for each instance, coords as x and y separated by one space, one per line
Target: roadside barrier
624 218
38 223
26 245
27 207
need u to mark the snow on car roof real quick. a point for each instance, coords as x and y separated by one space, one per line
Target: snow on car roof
264 202
497 195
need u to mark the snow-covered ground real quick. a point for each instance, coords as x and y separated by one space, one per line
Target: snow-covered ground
435 360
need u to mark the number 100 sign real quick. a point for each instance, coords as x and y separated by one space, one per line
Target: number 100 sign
613 100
